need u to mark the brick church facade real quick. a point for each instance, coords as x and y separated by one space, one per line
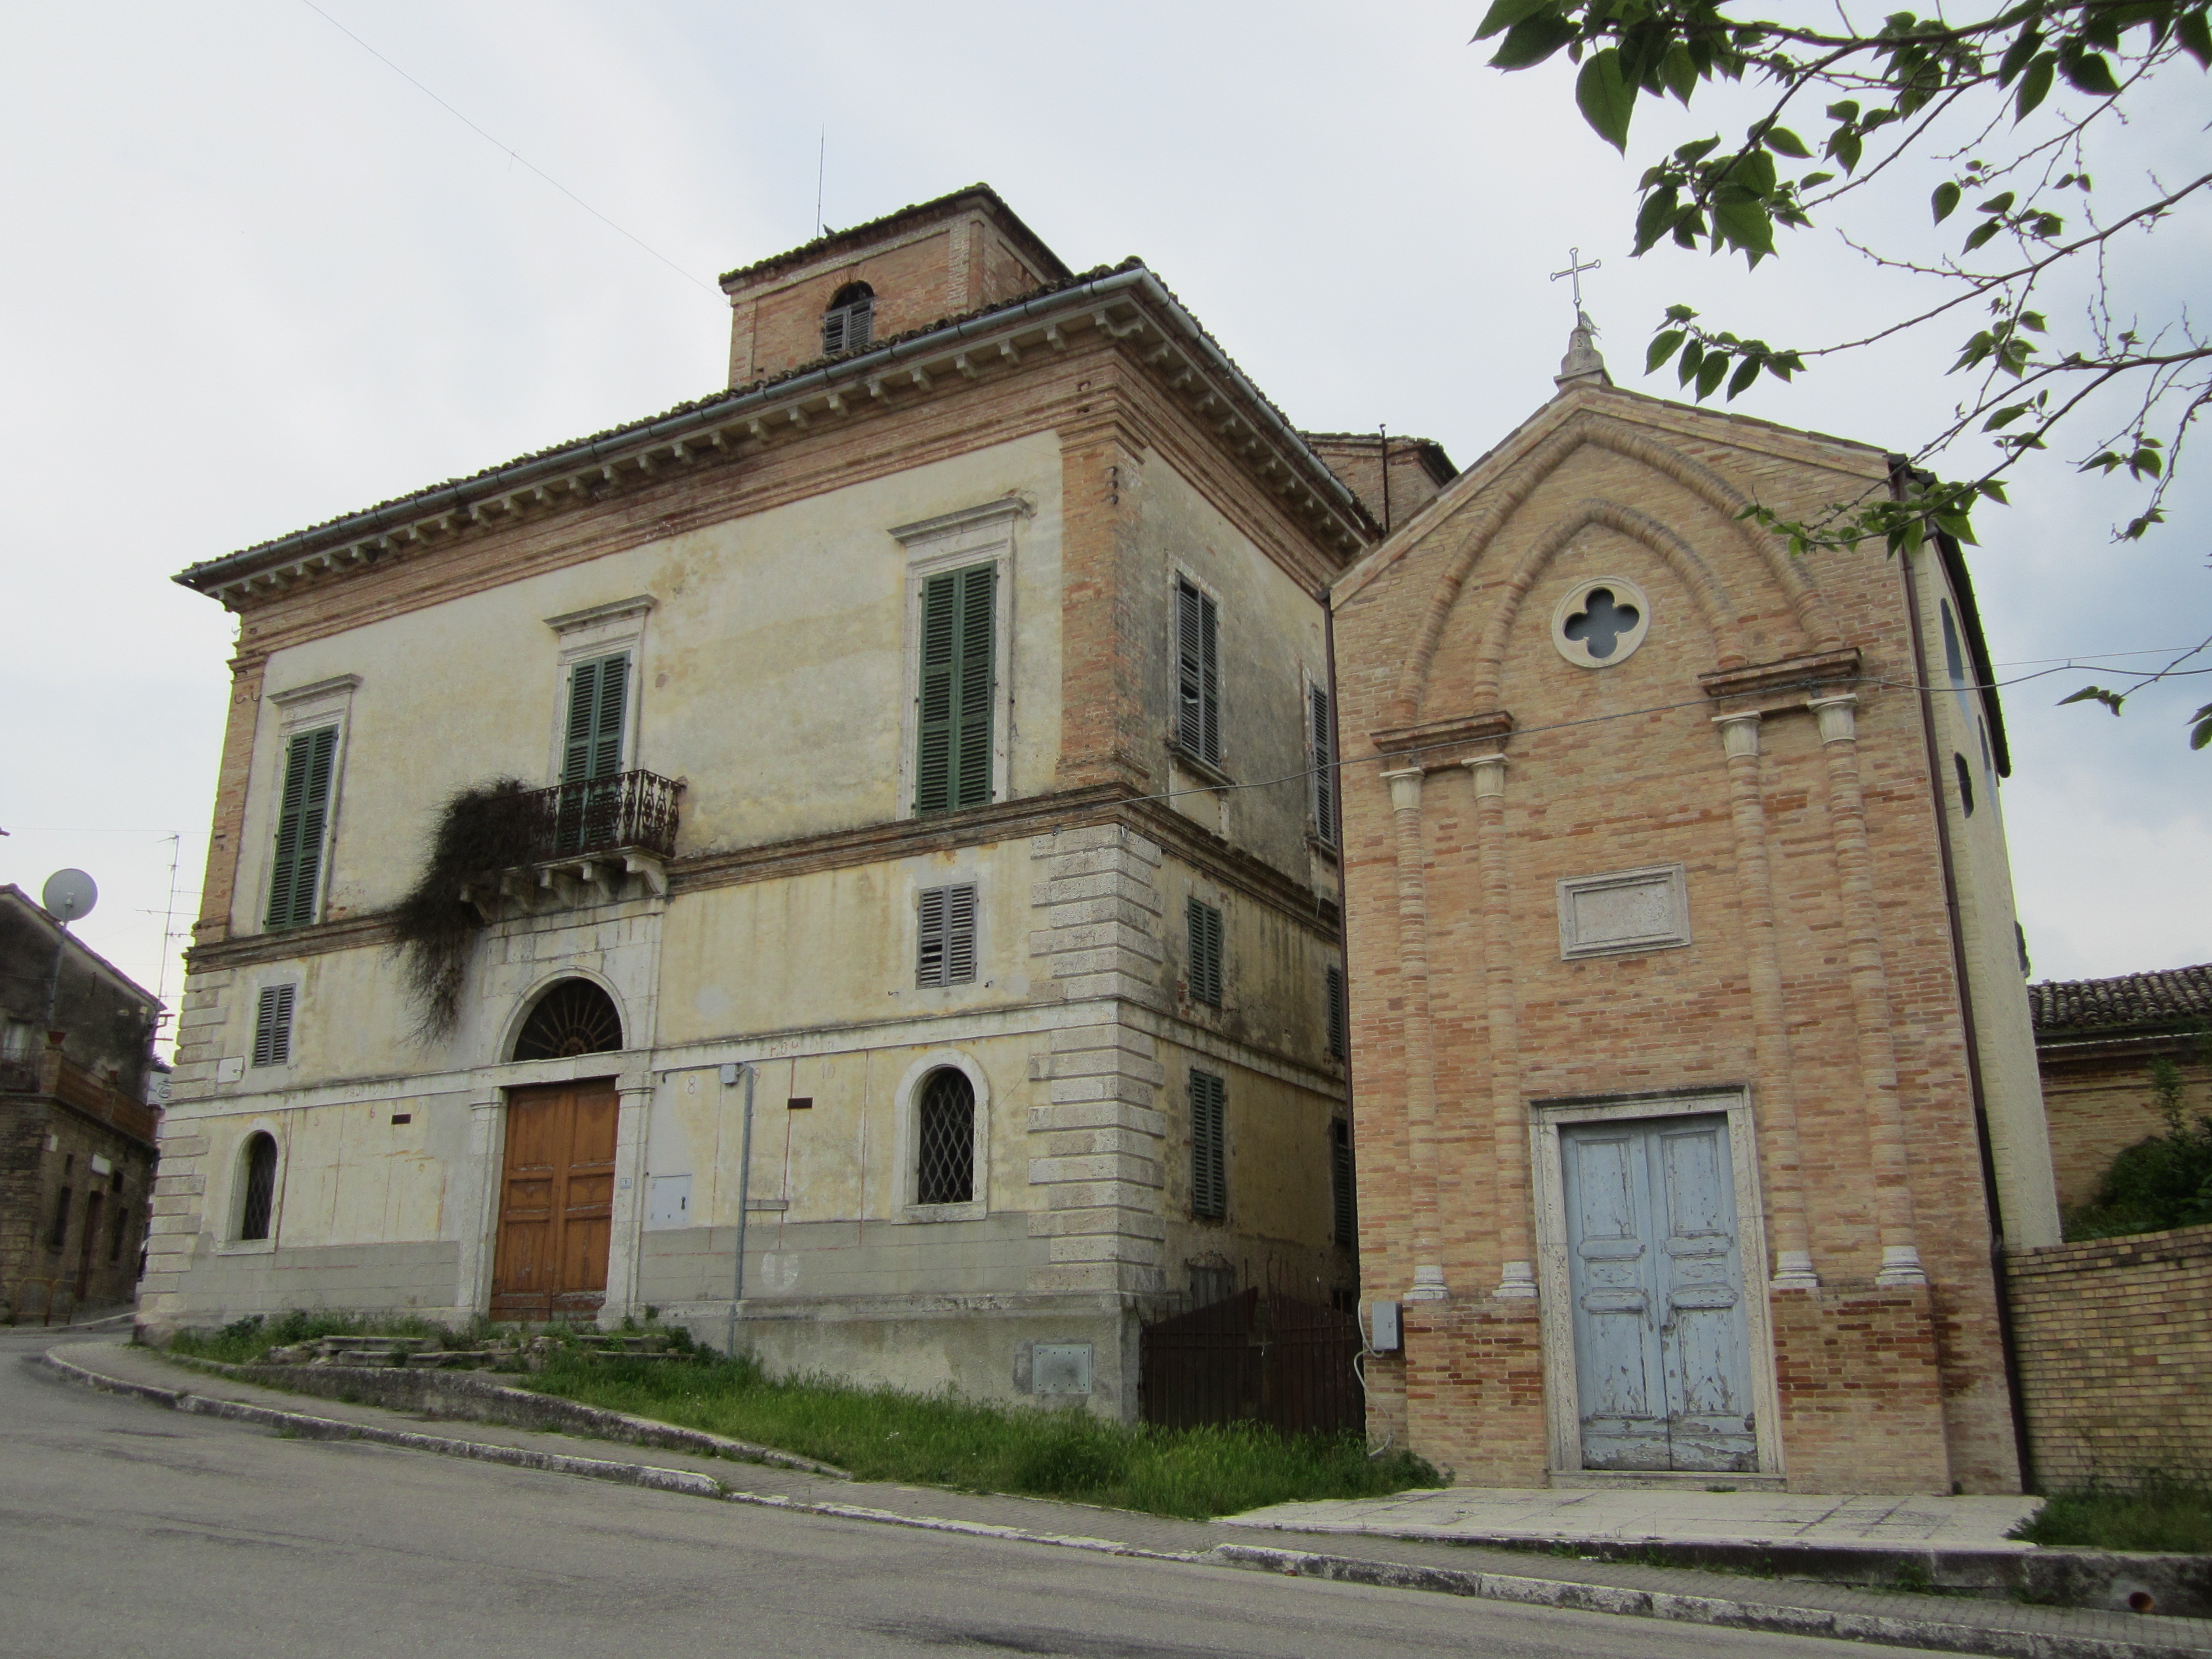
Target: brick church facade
1695 1088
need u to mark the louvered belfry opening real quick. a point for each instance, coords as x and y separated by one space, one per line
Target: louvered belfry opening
850 322
944 1169
260 1187
574 1018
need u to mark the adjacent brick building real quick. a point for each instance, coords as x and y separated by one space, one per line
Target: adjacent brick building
1691 1055
76 1133
2095 1040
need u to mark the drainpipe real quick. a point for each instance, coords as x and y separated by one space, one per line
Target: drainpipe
1999 1282
744 1200
1343 914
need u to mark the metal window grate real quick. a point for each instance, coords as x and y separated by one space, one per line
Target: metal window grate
260 1187
944 1142
574 1018
947 955
272 1025
1342 1191
1338 1036
1204 922
1209 1146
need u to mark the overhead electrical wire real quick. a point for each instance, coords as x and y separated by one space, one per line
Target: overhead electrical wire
508 149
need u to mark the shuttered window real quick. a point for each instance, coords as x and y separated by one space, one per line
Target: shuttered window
599 702
1205 924
947 955
1343 1206
952 755
303 816
1321 726
1338 1036
850 322
272 1025
1198 674
1209 1146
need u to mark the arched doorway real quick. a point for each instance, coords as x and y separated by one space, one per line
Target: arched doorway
558 1179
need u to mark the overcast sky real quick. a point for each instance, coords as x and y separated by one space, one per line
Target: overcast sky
259 279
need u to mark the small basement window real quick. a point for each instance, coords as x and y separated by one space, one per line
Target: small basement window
850 322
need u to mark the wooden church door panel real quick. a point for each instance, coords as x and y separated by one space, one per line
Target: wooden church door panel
1710 1424
1619 1375
1661 1368
556 1192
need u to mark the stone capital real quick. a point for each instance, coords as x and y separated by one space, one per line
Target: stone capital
1488 772
1405 789
1739 733
1839 716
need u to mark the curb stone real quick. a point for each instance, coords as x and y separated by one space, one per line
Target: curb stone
1932 1633
326 1428
1936 1634
520 1408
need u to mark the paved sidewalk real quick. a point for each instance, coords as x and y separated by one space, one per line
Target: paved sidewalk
2007 1629
1630 1516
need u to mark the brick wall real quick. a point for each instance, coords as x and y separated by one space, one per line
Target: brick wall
2097 1105
2113 1338
1857 1371
1473 1391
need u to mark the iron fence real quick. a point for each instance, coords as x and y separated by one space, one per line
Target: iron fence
1255 1356
632 809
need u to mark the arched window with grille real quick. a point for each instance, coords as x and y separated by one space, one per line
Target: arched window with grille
575 1017
945 1139
256 1208
850 322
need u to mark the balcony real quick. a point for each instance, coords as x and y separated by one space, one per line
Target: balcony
61 1079
579 843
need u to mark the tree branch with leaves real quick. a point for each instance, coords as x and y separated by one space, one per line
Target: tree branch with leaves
2006 105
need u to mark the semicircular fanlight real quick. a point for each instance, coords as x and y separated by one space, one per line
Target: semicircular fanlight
574 1018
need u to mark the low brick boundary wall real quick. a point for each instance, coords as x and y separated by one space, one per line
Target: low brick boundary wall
2113 1339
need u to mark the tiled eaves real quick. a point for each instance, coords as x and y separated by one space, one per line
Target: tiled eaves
2176 999
1126 301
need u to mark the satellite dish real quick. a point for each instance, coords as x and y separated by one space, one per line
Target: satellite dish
69 894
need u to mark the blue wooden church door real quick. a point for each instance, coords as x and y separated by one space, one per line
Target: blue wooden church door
1655 1273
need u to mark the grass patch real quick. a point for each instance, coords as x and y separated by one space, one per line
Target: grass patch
2165 1512
244 1342
942 1440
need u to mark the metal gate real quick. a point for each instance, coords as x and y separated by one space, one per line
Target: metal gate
1256 1357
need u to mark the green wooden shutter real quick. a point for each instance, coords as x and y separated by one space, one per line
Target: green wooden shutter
1339 1032
1198 673
302 816
1324 763
1204 922
598 699
1343 1191
1209 1146
953 741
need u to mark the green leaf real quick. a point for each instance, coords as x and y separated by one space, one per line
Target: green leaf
2035 86
2017 55
1745 373
1746 225
1531 40
2112 699
1505 13
1679 72
1710 371
2202 721
2089 72
1994 490
1783 142
1663 346
1693 355
1605 98
1654 218
1843 146
1690 154
2194 34
1996 203
1982 233
1945 201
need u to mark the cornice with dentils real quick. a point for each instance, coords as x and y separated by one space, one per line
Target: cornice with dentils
1129 305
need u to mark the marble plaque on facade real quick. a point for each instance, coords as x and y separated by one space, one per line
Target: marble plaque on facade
1646 909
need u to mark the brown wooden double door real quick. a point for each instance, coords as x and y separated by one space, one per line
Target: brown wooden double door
555 1201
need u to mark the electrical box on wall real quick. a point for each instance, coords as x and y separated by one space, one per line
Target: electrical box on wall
1384 1334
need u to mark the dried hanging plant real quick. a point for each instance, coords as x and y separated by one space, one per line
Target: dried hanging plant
481 829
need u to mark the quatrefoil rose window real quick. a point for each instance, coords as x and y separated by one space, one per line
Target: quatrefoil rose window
1601 623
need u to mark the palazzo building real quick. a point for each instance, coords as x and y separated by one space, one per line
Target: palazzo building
813 818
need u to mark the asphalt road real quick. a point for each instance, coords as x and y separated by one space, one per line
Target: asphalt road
128 1531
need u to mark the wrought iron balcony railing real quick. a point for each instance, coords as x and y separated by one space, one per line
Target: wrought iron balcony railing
628 811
